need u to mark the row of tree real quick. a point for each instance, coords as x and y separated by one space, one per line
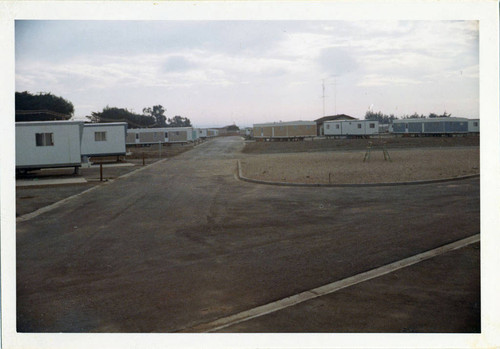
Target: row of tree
150 117
46 106
42 107
387 119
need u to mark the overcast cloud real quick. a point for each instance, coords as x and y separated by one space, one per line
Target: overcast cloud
220 72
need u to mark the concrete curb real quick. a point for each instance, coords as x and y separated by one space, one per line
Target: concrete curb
284 184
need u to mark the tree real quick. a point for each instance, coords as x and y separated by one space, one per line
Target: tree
42 107
178 121
378 116
157 113
122 115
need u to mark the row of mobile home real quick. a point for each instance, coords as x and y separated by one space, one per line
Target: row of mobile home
435 126
48 144
145 136
346 126
161 135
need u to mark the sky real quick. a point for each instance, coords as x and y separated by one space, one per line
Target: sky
240 72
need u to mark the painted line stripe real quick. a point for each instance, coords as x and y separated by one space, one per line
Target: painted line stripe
329 288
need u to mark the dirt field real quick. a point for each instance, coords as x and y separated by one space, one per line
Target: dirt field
360 144
347 167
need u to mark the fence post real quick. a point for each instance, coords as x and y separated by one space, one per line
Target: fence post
100 171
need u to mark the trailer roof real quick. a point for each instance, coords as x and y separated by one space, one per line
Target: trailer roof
353 120
94 124
298 122
58 122
430 119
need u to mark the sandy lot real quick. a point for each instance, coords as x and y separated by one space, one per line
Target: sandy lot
360 144
347 167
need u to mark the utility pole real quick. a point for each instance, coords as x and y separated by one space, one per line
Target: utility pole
323 97
335 93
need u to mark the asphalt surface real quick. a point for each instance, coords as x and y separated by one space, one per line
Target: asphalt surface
183 243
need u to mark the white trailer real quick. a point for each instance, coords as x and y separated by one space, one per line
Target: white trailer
208 132
106 139
474 126
351 128
160 135
48 144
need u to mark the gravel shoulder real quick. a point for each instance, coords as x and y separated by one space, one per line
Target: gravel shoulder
348 167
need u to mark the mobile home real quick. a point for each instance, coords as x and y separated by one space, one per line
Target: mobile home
104 139
285 130
351 128
433 126
473 125
208 132
160 135
48 144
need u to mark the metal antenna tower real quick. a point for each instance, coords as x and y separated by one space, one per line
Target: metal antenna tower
323 97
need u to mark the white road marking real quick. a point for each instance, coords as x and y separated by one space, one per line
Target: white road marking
329 288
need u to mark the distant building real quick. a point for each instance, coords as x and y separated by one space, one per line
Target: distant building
320 122
230 130
285 130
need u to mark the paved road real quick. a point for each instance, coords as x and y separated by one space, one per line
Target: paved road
183 242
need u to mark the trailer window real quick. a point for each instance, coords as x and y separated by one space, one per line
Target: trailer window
359 125
136 136
44 139
328 126
166 134
372 125
475 123
337 126
100 136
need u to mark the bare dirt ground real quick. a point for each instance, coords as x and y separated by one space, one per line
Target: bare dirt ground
349 168
341 161
390 142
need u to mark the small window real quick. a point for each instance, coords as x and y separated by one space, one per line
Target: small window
166 134
406 125
475 123
100 136
328 127
44 139
155 136
337 126
372 125
136 136
359 125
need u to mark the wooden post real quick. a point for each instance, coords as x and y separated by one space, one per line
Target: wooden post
100 170
367 154
143 159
